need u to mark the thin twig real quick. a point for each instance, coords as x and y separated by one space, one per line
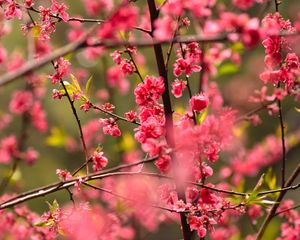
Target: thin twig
117 117
84 20
135 66
275 206
43 191
81 43
40 62
77 121
287 209
113 169
284 157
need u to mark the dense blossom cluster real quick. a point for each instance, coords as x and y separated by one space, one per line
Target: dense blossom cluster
179 121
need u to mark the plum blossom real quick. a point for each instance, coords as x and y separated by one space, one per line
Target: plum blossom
177 88
99 161
21 102
199 102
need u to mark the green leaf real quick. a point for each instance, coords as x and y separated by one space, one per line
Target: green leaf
70 88
259 183
88 86
270 179
54 206
75 83
57 138
228 69
238 47
48 223
201 117
36 30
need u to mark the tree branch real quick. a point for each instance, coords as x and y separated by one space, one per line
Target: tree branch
275 206
81 43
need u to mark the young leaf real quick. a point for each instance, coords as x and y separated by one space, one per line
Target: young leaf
259 183
270 179
54 206
70 88
88 86
48 223
57 138
228 69
75 83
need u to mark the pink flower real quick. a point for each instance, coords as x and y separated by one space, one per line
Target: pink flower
86 106
99 161
12 11
149 91
254 212
108 107
116 55
60 9
29 3
150 128
163 28
191 194
177 88
110 127
250 34
62 68
131 116
56 94
8 148
187 66
196 224
127 67
272 44
3 55
116 79
5 120
243 4
45 13
124 19
94 7
64 175
30 156
198 102
38 117
152 146
163 163
292 62
21 102
272 60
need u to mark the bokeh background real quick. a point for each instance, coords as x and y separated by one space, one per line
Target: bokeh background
236 85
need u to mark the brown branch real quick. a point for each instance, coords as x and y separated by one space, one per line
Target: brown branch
156 206
275 206
59 184
188 86
251 112
287 209
117 117
40 62
293 187
168 112
135 66
78 123
81 43
84 20
112 172
284 157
